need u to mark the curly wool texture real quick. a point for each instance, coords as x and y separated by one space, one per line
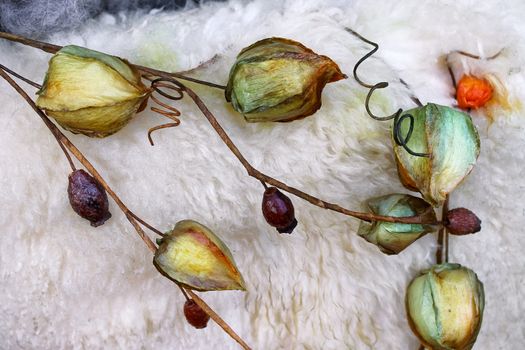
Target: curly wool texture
66 285
38 18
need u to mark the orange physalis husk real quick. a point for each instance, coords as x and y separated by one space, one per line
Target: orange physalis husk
473 92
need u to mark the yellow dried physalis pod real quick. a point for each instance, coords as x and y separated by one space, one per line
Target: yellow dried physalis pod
91 93
191 254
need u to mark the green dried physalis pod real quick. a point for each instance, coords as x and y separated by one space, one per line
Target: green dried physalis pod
279 80
91 93
192 255
452 142
392 238
445 307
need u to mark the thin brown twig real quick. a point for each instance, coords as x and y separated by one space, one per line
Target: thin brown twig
38 86
153 229
51 48
132 217
201 65
61 138
271 181
214 316
229 143
445 231
442 238
183 291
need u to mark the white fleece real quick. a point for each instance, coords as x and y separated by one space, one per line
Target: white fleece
66 285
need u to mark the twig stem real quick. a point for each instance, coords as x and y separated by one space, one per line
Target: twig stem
214 316
271 181
132 217
38 86
47 47
442 238
62 139
229 143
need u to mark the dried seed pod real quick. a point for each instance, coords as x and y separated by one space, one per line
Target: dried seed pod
461 221
88 198
452 142
392 238
445 307
195 315
192 255
91 93
279 80
473 92
278 210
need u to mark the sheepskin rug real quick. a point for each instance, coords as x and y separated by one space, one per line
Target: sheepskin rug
66 285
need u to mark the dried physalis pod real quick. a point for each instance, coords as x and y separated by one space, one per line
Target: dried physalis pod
195 315
451 141
392 238
445 307
473 92
279 80
88 198
91 93
461 221
192 255
278 210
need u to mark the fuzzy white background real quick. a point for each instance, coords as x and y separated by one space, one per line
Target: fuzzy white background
66 285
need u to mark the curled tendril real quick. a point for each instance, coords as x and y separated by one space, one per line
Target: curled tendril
398 116
168 111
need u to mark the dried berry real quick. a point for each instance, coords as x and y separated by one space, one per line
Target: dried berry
195 315
88 198
461 221
278 210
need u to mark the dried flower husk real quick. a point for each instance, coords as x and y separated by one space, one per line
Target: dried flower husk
473 92
452 141
279 80
91 93
192 255
445 307
392 238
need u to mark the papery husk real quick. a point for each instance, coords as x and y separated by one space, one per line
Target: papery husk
392 238
445 307
91 93
452 141
192 255
279 80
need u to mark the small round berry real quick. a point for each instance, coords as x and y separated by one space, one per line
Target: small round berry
195 315
278 210
461 221
88 198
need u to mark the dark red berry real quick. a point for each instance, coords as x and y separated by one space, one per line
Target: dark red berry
461 221
88 198
278 210
195 315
